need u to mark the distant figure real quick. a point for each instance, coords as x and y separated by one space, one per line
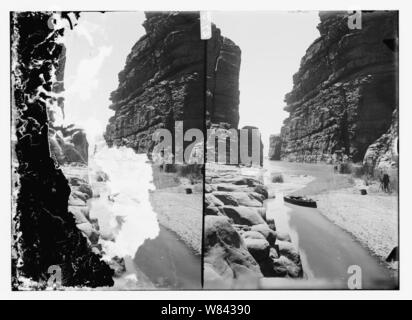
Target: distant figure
385 182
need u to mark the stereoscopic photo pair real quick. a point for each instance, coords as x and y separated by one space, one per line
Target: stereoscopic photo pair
204 150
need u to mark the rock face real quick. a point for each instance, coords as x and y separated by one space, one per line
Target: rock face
241 244
275 145
68 144
384 152
164 81
345 91
44 231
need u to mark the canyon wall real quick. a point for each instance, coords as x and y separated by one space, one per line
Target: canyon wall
345 91
164 81
275 145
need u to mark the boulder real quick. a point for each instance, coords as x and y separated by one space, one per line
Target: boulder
284 265
76 181
226 198
268 233
243 215
263 190
101 176
211 200
228 187
89 231
107 236
80 214
283 236
212 211
262 212
86 189
273 254
118 265
271 223
288 250
209 188
238 180
75 201
279 268
253 235
247 199
241 227
219 230
228 263
258 248
80 195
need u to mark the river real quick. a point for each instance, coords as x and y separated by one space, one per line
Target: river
330 255
154 256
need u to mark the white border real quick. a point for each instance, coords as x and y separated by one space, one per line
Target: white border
405 134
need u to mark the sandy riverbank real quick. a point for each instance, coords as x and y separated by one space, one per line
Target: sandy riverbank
176 210
371 219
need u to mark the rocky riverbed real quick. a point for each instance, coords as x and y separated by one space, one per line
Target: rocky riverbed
241 244
81 194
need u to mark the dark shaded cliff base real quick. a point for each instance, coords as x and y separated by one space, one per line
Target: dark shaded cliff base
45 236
345 91
241 246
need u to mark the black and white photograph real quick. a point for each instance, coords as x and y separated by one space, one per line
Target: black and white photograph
212 151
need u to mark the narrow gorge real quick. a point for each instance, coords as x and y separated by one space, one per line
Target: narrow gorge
345 92
95 204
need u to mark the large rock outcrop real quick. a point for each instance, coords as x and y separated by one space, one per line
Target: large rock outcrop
241 244
384 152
345 91
164 81
275 146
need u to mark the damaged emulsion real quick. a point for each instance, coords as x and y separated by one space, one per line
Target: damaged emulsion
45 234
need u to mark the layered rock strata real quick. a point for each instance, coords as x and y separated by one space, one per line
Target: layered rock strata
171 75
345 91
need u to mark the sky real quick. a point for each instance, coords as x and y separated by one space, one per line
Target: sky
96 52
272 45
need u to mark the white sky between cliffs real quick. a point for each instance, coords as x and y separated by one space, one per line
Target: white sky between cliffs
272 44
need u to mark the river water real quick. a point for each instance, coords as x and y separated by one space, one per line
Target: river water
154 256
330 255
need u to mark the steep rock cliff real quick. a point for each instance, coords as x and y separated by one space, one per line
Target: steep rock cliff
345 91
164 81
384 152
275 145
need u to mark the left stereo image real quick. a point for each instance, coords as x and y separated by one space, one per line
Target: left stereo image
94 205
